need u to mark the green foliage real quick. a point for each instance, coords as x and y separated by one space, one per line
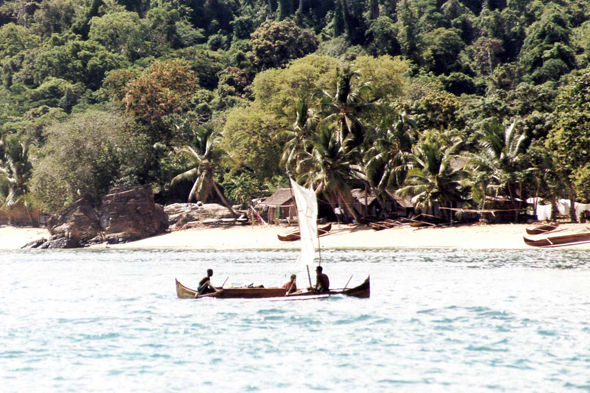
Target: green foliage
85 156
243 188
123 33
164 89
274 44
255 69
441 50
431 176
77 61
15 169
384 33
55 17
250 139
15 39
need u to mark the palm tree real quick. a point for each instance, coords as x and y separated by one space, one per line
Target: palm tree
500 158
432 176
330 168
386 158
344 107
301 138
204 157
15 169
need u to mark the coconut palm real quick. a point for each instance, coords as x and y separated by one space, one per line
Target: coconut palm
204 157
15 169
432 176
343 108
500 158
386 158
330 169
300 139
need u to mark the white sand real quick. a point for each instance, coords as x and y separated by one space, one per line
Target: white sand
502 236
12 238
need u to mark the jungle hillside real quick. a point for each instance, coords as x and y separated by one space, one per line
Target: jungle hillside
224 100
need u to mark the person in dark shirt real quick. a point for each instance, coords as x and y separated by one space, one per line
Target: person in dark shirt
322 281
205 284
291 285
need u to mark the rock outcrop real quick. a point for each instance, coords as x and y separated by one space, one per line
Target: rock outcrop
77 223
127 213
180 214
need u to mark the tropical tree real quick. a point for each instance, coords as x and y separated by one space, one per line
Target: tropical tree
431 176
569 138
498 161
204 157
387 156
343 108
300 139
15 170
330 168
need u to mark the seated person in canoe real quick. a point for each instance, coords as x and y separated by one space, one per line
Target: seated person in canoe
322 281
205 284
291 285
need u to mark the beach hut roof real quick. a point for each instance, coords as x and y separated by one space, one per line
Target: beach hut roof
280 197
359 195
405 202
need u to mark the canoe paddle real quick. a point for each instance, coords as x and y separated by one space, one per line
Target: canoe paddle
347 282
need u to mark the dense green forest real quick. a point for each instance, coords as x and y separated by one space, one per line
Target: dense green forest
436 100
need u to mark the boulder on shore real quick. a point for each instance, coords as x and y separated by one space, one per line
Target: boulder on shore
126 213
129 213
179 214
77 222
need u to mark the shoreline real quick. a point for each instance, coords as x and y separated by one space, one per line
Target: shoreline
342 237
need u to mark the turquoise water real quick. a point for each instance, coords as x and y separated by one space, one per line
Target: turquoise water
437 321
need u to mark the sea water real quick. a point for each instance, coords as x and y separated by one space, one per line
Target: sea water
437 321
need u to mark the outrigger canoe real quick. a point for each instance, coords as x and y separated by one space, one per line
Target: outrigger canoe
362 291
543 228
560 241
290 237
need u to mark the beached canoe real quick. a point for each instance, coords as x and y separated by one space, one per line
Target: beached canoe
560 240
540 229
385 224
361 291
290 237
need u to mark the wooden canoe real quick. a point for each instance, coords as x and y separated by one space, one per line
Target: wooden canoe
559 241
362 291
290 237
385 224
544 228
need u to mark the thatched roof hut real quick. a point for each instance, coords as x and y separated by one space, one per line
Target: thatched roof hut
281 206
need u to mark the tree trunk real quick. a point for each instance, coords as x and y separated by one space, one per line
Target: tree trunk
573 204
374 9
366 200
218 191
346 18
379 201
482 206
514 204
349 208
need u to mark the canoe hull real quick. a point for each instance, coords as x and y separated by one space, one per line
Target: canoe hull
296 235
362 291
540 229
559 241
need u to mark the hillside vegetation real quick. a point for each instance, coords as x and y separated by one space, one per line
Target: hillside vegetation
436 100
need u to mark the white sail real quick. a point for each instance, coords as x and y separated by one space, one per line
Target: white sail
307 214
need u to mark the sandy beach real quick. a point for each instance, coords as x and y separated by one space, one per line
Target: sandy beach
501 236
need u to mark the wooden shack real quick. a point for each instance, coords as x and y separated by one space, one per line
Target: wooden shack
281 207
